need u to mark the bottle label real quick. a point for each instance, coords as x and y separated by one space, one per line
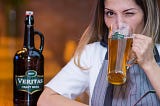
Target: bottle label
30 82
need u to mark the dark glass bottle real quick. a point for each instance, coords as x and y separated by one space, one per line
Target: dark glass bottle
28 75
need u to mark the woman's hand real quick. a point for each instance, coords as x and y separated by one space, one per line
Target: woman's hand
143 49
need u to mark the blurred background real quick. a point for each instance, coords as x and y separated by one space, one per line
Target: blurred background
61 21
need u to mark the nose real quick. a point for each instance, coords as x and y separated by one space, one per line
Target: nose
122 26
120 22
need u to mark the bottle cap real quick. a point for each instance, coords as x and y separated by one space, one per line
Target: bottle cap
29 12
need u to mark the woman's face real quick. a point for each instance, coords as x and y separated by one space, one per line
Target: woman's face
118 12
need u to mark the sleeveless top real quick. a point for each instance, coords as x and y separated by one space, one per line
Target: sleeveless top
137 84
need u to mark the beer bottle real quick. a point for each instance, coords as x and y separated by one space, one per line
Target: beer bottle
28 75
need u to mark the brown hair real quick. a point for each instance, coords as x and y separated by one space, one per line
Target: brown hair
151 18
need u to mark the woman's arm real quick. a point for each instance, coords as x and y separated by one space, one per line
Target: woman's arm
143 48
51 98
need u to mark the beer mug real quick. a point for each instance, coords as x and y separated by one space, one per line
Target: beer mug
119 48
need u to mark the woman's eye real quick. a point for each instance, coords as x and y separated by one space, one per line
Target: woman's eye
129 14
109 13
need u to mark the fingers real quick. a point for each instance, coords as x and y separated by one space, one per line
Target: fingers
142 39
142 46
141 42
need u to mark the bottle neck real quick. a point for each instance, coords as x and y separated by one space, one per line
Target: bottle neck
29 32
29 37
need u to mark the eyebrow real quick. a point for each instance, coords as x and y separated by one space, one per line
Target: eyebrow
108 9
124 10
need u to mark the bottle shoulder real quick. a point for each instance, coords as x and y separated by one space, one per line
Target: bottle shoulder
21 52
28 53
35 52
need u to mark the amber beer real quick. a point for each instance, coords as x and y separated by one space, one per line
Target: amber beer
118 55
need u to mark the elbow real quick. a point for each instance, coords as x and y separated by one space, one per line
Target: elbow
41 101
46 101
45 98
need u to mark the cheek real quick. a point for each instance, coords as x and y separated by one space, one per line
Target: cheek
110 22
137 26
107 22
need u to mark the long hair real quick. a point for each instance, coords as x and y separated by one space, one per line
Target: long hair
151 18
97 30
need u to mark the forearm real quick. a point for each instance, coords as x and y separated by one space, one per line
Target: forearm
152 70
58 100
51 98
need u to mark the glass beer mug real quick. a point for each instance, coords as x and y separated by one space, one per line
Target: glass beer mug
119 48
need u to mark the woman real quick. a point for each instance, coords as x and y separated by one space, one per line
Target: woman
81 73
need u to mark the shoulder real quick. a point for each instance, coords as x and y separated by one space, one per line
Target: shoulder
93 52
94 49
95 46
